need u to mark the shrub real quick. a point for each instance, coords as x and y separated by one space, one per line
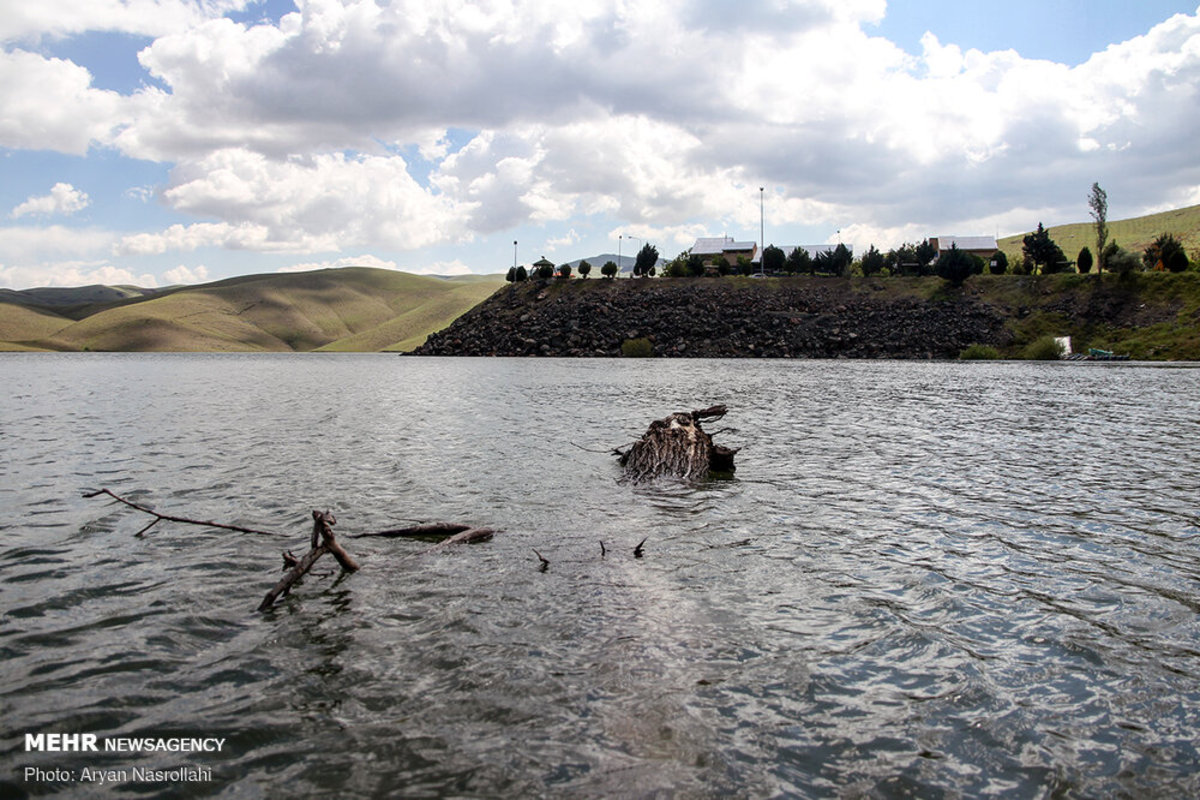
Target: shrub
609 270
979 352
999 264
1047 348
564 271
637 348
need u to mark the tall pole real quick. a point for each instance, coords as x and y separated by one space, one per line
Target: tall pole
762 241
514 255
618 256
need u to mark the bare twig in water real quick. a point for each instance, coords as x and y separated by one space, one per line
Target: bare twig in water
637 551
158 517
323 523
545 564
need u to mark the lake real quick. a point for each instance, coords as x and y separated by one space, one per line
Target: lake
926 579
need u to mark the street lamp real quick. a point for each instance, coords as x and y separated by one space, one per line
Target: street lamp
514 255
762 240
639 241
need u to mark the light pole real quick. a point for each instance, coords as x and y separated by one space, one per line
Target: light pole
762 241
619 236
514 255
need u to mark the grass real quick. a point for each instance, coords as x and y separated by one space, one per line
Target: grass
1132 234
20 326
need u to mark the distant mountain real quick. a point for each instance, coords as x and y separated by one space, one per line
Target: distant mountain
348 309
624 262
55 296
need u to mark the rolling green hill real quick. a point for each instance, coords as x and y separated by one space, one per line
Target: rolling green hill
1132 234
349 309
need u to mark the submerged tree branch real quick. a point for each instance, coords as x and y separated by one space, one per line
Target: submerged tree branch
159 517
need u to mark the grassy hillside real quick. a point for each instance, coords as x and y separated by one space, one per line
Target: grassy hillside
344 309
1132 234
20 326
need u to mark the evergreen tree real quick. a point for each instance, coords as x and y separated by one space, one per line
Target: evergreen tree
647 258
773 260
1084 261
585 268
1040 249
799 262
999 264
872 262
955 266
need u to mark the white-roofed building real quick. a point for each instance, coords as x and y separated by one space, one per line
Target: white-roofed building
983 246
813 250
713 247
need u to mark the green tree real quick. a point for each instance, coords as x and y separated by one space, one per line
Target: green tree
646 260
564 271
799 262
1084 261
585 268
925 254
955 266
609 270
1098 205
522 274
773 260
999 264
872 262
1040 249
545 272
512 274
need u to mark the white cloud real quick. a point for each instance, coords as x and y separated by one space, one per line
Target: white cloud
185 274
665 114
63 199
58 18
307 204
71 273
365 260
49 104
566 240
452 267
20 244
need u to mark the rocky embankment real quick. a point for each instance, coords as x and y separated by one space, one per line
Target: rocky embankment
719 318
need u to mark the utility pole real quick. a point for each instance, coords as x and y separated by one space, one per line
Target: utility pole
762 241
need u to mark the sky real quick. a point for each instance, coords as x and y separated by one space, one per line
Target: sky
157 142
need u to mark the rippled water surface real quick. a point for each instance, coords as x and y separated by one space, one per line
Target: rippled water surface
926 579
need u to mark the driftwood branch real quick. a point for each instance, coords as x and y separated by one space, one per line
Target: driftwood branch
321 541
158 517
323 522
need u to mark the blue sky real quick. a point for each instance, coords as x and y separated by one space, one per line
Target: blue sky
190 140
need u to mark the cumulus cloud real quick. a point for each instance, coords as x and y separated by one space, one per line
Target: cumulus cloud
58 18
185 274
25 243
49 104
663 113
71 273
365 260
63 199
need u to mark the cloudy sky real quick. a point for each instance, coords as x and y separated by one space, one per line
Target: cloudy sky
166 141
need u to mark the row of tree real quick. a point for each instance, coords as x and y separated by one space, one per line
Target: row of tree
1040 255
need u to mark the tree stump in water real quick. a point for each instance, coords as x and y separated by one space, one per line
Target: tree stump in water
677 446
